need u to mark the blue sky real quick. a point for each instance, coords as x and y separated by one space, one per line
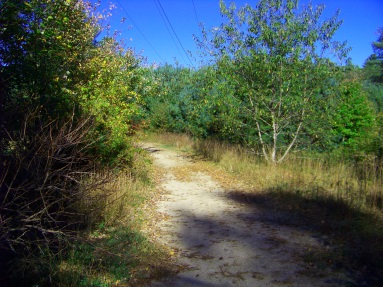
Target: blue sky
142 27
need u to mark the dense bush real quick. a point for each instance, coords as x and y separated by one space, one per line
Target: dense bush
67 106
41 183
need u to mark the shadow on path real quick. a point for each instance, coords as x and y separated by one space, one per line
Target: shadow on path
356 235
250 245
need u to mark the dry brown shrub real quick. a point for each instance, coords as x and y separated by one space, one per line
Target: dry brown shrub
46 170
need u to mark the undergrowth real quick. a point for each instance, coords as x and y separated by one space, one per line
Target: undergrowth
117 251
114 248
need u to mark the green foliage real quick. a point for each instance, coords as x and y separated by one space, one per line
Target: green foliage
50 63
374 64
169 106
113 256
375 94
109 96
43 45
354 121
373 74
192 102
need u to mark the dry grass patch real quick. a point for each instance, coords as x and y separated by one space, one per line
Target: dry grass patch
119 248
181 142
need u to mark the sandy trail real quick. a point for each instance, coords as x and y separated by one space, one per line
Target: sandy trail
225 243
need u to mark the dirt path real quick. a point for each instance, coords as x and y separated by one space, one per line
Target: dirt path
222 242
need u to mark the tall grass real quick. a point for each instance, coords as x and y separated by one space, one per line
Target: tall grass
359 184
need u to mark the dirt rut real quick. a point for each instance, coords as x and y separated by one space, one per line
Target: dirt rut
222 242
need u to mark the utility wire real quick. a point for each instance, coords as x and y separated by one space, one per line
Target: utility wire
195 14
139 30
198 25
166 25
175 33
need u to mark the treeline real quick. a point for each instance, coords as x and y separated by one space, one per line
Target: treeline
68 103
269 87
204 104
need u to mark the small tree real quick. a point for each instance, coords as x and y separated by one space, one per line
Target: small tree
353 122
277 56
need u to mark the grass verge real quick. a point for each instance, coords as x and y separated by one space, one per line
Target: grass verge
118 250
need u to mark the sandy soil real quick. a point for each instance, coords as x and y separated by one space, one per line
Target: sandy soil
222 242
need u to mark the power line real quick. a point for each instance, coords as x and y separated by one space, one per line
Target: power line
198 25
139 30
195 14
171 35
175 33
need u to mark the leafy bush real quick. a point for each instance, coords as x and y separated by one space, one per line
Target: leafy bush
66 110
109 96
